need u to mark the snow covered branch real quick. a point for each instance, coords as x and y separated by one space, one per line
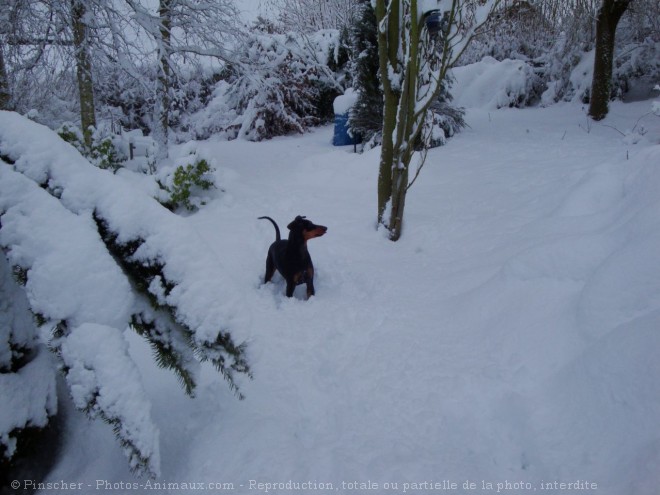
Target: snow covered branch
97 256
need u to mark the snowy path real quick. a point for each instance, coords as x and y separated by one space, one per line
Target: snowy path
510 335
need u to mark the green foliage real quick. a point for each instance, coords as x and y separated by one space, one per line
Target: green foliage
187 182
103 153
72 135
20 275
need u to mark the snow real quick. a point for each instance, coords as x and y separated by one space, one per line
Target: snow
29 397
40 232
110 381
510 335
343 103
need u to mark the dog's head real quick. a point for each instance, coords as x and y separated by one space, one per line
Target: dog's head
307 229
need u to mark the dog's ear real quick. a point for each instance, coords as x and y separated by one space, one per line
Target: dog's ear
296 221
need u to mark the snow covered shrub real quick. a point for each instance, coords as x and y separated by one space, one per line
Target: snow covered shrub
556 40
106 155
637 67
186 184
637 57
518 30
27 377
521 32
496 84
550 39
281 85
72 135
104 152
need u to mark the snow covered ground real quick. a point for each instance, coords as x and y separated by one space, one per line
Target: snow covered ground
510 336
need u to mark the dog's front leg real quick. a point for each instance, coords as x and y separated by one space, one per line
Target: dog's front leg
310 289
290 287
309 279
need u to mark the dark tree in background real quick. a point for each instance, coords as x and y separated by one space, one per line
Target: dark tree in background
366 117
608 17
4 84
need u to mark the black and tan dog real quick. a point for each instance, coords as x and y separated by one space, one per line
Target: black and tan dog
291 257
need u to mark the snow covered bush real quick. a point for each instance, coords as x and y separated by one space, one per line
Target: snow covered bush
104 153
27 377
281 84
637 58
545 43
97 255
494 84
518 30
186 184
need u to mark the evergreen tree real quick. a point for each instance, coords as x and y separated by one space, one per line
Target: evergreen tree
366 117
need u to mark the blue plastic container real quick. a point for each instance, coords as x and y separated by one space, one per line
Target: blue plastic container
341 136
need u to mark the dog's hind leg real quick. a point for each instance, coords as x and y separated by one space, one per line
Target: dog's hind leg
270 269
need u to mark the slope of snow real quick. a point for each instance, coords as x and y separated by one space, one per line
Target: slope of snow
511 335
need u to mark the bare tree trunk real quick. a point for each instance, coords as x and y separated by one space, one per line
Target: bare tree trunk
400 115
162 113
412 67
601 87
388 55
83 70
408 128
5 96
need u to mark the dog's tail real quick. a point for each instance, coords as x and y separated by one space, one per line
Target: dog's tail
277 229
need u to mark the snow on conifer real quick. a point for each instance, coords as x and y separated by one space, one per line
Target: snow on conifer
27 378
93 267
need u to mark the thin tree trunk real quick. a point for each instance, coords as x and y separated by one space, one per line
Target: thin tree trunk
83 71
387 52
601 87
162 116
401 51
5 96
